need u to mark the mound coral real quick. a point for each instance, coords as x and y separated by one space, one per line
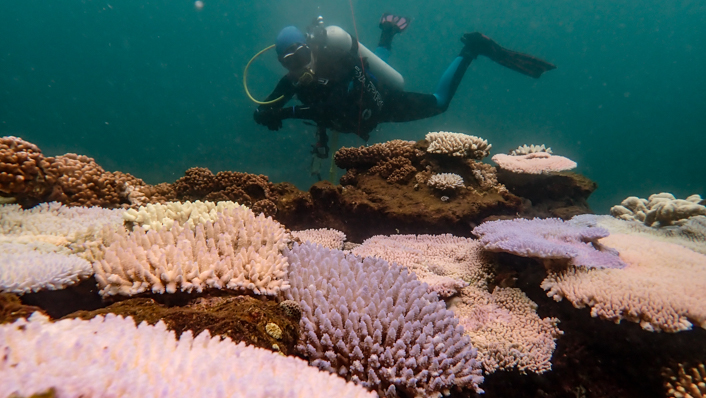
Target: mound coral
111 357
21 172
375 324
660 210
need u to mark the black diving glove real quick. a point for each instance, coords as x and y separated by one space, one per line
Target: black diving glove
269 117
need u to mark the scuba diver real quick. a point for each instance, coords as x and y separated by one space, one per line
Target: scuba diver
344 87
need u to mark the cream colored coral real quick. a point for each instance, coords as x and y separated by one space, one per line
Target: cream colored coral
445 181
111 357
506 329
525 149
457 144
273 330
663 287
188 214
326 237
238 251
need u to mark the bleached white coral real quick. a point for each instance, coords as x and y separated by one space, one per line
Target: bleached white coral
112 357
445 181
526 150
187 214
457 144
236 251
44 247
76 226
36 266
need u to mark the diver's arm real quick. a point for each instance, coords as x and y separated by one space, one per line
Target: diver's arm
283 89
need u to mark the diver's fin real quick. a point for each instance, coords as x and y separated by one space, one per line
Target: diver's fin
479 44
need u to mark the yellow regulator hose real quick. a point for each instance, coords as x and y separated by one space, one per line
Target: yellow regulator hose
245 79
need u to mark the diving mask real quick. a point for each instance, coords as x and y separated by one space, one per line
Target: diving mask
296 57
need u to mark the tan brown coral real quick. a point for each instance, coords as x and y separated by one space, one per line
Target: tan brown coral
196 184
394 170
367 156
79 181
21 174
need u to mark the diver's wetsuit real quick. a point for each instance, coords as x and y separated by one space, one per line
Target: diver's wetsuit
344 96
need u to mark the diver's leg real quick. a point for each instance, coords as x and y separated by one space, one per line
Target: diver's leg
476 44
390 25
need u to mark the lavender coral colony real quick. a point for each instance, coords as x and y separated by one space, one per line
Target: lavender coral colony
229 285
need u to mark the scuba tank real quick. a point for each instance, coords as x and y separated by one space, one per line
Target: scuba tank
335 37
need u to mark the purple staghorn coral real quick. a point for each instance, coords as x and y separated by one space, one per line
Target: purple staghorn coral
551 239
374 323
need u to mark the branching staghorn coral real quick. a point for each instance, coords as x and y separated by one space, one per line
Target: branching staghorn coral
445 181
187 214
238 251
458 145
375 324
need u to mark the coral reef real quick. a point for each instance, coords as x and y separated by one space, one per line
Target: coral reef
660 210
110 355
374 324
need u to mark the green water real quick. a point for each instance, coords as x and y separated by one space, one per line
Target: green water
154 87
